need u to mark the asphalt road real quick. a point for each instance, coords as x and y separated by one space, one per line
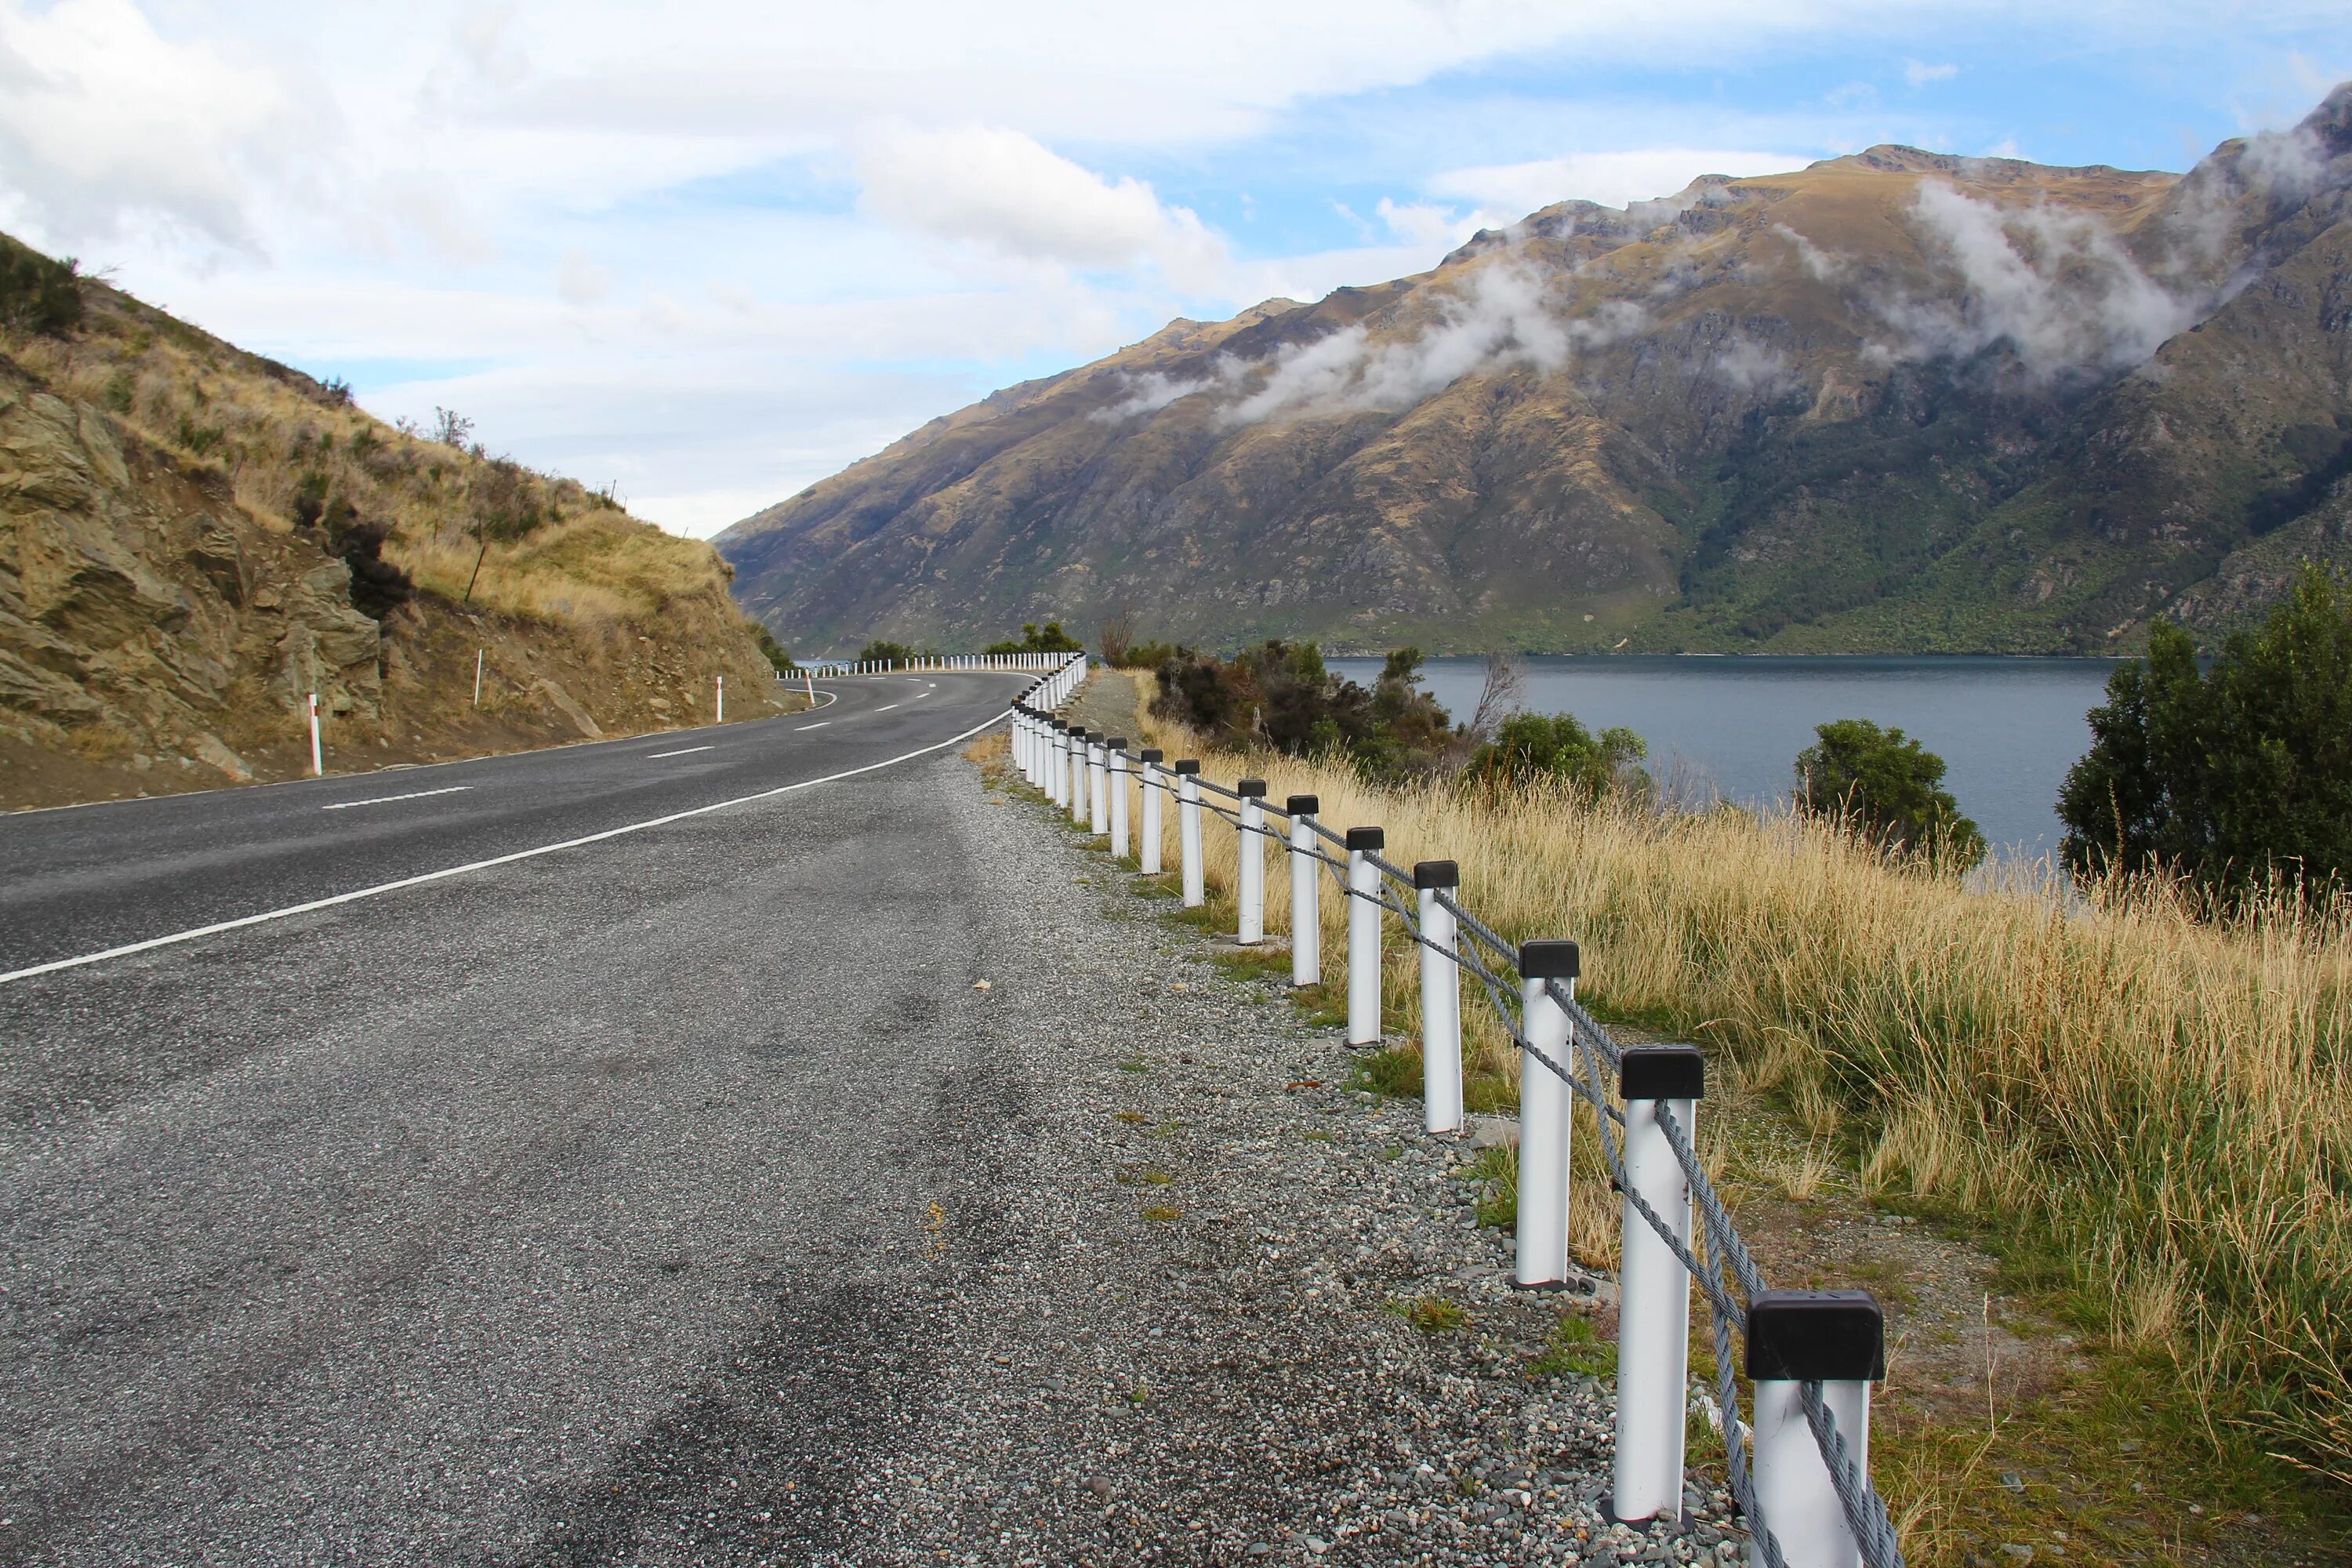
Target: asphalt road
88 879
451 1225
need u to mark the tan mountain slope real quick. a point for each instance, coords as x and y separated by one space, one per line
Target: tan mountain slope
1896 400
193 540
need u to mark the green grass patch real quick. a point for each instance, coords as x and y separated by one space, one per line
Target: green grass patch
1430 1314
1161 1212
1394 1071
1574 1347
1499 1167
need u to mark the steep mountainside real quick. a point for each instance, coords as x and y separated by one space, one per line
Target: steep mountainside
193 540
1893 401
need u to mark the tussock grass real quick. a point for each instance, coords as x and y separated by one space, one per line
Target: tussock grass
2158 1104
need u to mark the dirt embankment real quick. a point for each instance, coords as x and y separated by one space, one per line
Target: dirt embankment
162 629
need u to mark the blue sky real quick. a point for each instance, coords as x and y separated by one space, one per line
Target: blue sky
713 252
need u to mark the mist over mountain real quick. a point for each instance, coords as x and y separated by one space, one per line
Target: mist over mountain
1896 401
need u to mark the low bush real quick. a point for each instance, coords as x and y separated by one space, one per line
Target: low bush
1050 638
39 294
1280 695
1887 788
1557 745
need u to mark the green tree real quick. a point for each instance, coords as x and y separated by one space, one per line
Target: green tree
774 649
1888 788
2231 777
879 651
1282 695
1558 745
1049 639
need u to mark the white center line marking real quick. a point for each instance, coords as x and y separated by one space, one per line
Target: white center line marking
656 756
818 725
388 799
127 949
886 708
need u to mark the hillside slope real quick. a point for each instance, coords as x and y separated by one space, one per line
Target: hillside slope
193 539
1893 401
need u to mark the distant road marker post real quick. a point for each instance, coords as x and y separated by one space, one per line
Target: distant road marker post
318 757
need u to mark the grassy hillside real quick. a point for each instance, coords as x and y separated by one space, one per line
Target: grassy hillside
194 537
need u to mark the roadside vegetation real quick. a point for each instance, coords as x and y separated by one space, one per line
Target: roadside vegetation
2135 1095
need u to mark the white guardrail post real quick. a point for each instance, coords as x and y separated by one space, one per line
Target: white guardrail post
1441 999
1057 766
1249 884
1116 749
1097 784
1544 1124
1148 851
1306 892
1837 1339
1081 796
1364 935
1653 1286
1188 831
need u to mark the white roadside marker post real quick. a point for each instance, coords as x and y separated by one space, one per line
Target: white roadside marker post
1098 784
1364 935
718 703
1188 831
1837 1339
1152 788
1441 998
1653 1286
480 654
317 756
1118 750
1543 1117
1249 890
1306 892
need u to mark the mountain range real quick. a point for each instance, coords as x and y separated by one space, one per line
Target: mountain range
1897 401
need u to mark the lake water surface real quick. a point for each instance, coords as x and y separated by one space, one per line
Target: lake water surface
2009 728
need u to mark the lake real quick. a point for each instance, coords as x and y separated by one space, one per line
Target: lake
2009 728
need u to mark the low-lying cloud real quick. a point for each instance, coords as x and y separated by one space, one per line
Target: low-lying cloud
2057 287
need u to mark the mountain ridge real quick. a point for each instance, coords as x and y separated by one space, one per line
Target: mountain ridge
1894 401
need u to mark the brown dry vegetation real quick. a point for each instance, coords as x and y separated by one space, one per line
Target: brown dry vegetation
178 515
2144 1113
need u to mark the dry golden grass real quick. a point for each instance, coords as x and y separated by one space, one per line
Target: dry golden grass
585 564
2163 1099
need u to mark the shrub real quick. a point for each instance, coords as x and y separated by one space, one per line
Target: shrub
1557 745
1887 788
771 647
1279 694
2231 779
39 294
890 652
378 586
1051 638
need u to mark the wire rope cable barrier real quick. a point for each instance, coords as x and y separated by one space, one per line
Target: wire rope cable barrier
1799 1466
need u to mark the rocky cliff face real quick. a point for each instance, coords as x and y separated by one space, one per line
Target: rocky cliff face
1897 401
168 606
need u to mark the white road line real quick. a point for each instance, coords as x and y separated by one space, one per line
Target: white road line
818 725
886 708
658 756
358 893
388 799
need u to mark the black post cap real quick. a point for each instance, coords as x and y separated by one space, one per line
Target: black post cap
1151 753
1251 789
1302 806
1436 874
1816 1336
1117 743
1188 765
1367 838
1547 960
1662 1072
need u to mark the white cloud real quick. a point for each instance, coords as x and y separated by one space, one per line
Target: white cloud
105 126
1502 317
1918 73
2057 287
580 281
1423 223
998 188
1611 179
